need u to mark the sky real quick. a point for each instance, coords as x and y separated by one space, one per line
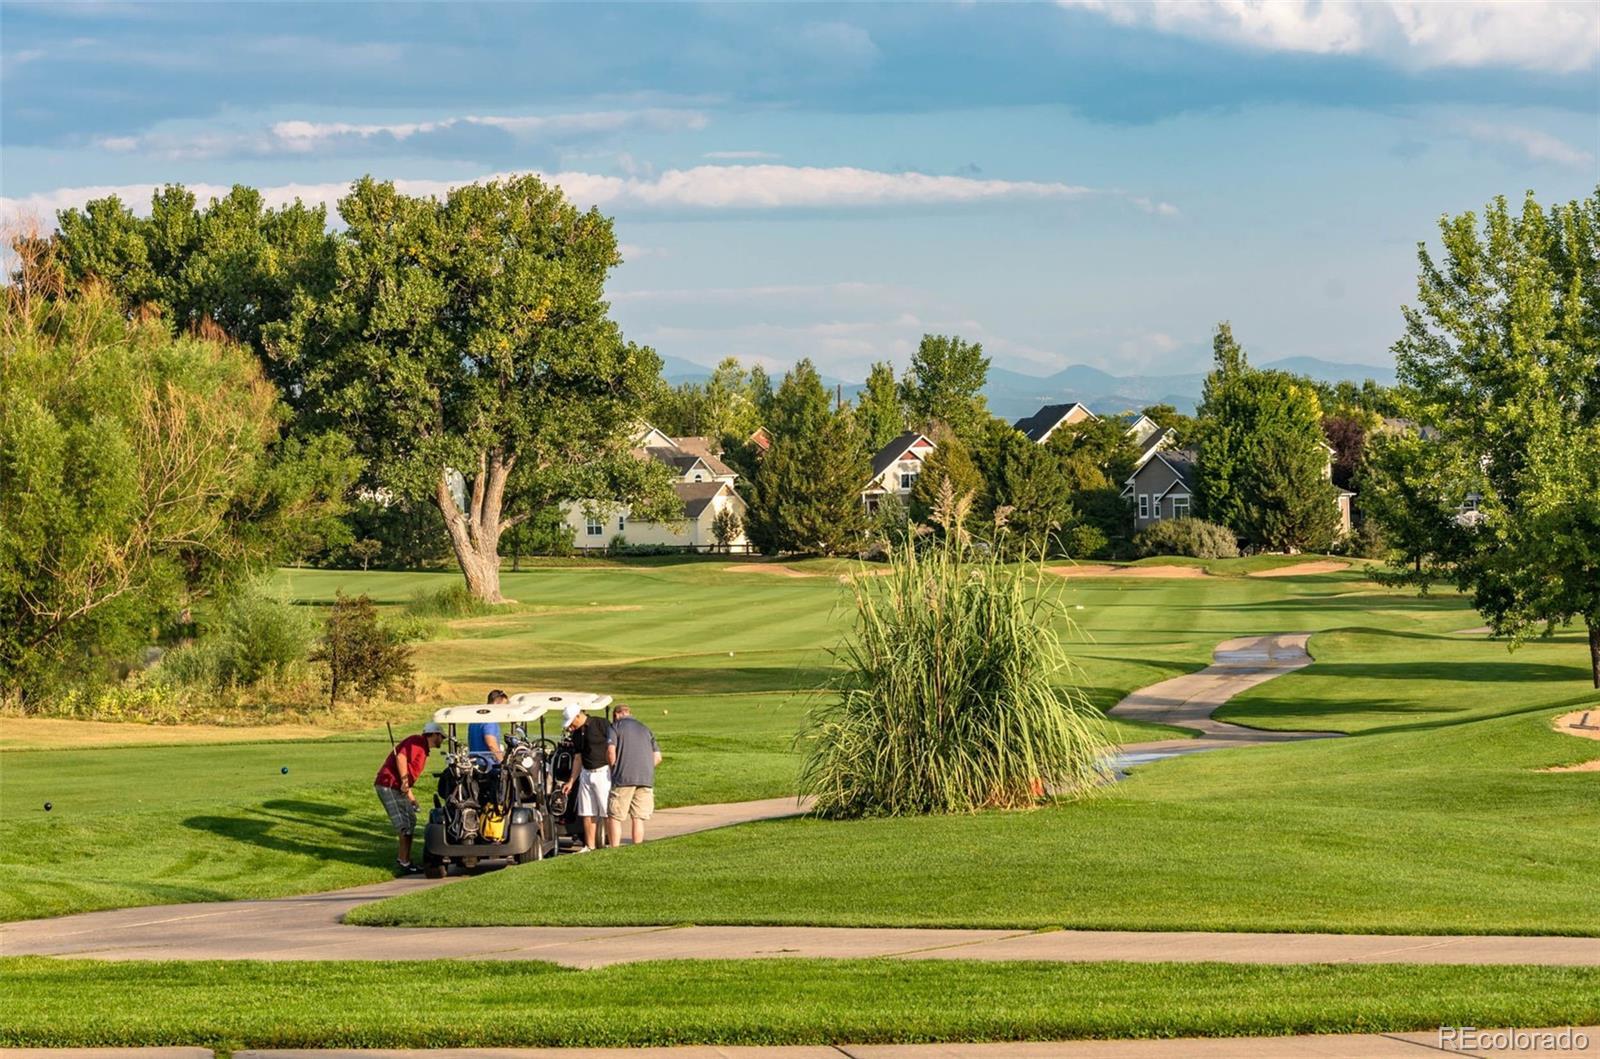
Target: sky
1089 182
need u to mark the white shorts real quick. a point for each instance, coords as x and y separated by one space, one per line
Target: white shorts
594 791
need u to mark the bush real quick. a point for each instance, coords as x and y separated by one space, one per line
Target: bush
256 635
948 700
1187 536
452 601
1084 541
359 652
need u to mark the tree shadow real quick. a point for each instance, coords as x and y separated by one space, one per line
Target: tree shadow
284 826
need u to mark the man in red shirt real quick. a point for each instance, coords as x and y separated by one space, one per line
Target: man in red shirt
400 772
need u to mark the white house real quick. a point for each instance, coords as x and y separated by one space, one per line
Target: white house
1046 420
702 481
895 469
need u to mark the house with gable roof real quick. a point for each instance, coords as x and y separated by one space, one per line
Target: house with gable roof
1162 487
895 468
702 482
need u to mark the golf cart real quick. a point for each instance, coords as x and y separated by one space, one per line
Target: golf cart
499 810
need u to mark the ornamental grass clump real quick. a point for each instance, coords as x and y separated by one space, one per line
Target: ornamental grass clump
955 691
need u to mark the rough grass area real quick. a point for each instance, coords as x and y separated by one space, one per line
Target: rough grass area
475 1004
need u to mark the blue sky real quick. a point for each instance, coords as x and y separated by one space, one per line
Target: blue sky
1093 182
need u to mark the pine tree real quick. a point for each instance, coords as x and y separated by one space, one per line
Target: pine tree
949 460
1027 479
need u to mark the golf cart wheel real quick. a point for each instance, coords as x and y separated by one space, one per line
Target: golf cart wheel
536 853
432 868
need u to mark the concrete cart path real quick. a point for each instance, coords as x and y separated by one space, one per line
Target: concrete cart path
1188 701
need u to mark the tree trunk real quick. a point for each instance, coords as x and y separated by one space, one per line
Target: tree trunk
475 532
1594 650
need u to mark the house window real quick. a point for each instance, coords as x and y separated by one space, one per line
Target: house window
908 479
1155 508
872 505
698 477
1144 505
1180 507
595 526
1470 503
622 523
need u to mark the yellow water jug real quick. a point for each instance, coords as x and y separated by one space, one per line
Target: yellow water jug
494 826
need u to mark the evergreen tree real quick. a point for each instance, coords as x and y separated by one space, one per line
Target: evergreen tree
879 411
805 493
945 385
1262 468
948 460
1027 479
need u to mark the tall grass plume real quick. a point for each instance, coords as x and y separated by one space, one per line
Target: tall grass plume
955 693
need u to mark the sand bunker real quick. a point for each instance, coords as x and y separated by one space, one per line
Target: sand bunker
775 569
1103 570
1585 724
1321 566
1476 630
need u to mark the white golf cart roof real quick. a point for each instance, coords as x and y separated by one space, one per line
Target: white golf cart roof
523 708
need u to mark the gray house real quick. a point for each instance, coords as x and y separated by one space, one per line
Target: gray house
1162 487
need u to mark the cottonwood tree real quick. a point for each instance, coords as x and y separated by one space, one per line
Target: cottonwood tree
468 349
880 412
944 384
950 461
1502 357
232 263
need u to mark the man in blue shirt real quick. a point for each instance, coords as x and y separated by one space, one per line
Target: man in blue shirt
483 740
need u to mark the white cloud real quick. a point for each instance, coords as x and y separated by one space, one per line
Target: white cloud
1531 144
309 137
1543 35
740 187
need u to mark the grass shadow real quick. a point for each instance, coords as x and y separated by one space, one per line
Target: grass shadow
282 825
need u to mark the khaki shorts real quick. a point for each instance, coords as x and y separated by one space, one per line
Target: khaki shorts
631 802
402 814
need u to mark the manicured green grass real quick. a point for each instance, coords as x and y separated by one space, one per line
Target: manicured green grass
718 663
1441 828
61 1003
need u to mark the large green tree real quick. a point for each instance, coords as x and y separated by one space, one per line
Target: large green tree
880 412
468 349
1263 464
1501 355
140 472
1026 482
945 385
233 264
806 491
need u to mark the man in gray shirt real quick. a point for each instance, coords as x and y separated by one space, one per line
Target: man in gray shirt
634 755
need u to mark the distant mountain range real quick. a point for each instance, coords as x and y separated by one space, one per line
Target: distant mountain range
1014 394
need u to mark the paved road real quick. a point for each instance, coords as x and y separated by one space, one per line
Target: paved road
310 927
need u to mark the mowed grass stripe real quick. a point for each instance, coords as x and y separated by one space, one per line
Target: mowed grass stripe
478 1004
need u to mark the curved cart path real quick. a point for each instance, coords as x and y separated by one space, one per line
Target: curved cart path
311 927
1188 701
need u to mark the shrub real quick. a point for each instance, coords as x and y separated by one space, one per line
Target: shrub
260 634
726 527
452 601
1188 536
359 652
1084 541
948 698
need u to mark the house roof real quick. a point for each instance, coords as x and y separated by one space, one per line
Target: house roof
761 439
1181 461
890 454
1154 442
1039 425
708 451
682 458
696 496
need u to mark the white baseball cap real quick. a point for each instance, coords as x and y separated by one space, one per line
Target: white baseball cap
432 728
570 714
